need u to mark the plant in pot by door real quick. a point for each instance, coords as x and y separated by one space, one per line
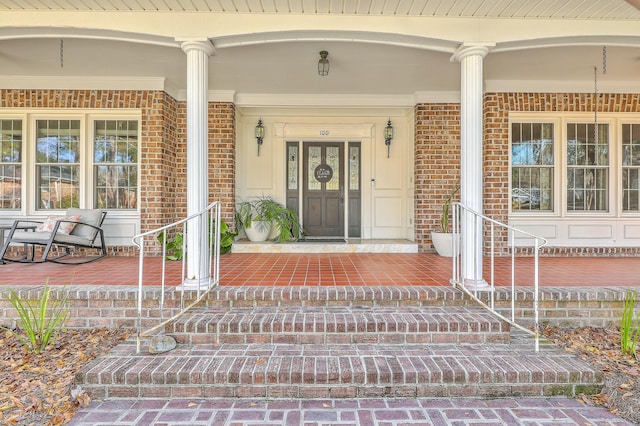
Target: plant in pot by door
443 238
249 217
267 216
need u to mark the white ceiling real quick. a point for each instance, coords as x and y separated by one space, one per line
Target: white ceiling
361 62
555 9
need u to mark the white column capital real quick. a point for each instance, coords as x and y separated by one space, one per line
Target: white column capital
203 45
471 49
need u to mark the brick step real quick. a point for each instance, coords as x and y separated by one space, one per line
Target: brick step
340 325
337 371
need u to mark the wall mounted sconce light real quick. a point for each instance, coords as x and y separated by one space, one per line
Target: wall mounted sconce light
259 135
323 63
388 137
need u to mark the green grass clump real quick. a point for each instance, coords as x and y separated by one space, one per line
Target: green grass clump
39 323
629 325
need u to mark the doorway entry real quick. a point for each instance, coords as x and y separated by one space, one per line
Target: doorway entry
330 192
323 189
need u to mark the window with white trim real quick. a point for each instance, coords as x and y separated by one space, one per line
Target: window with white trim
57 160
587 167
563 165
57 170
115 153
630 167
10 164
532 166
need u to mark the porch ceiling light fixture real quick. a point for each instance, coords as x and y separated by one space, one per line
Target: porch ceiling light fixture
323 63
388 137
259 135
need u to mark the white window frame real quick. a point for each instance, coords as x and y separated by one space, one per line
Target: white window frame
87 118
560 121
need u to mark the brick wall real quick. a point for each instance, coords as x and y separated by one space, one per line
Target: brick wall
436 165
116 306
162 146
222 157
497 107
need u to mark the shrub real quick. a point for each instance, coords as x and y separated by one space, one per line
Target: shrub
39 324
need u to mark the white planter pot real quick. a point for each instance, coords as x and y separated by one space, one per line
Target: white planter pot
443 243
258 231
275 232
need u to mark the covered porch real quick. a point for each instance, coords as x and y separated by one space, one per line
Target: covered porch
330 269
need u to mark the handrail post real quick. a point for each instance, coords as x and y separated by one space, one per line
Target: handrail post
478 223
140 241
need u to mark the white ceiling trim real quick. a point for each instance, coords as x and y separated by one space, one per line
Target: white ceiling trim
81 82
324 101
390 39
10 33
587 40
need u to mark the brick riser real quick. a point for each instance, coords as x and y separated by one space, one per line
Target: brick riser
340 326
342 371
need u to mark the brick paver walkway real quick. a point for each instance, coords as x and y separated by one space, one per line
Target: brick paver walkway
362 412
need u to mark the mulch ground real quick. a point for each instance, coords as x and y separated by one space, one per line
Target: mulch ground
38 389
601 348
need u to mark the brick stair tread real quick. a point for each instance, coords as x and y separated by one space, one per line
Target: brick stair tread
410 369
347 319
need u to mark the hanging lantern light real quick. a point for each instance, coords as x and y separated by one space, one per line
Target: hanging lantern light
323 63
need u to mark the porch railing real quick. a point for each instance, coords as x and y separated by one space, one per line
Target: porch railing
498 239
154 243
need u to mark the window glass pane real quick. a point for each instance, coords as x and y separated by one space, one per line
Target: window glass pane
333 161
315 158
587 167
292 167
10 164
115 153
630 167
57 164
354 168
532 166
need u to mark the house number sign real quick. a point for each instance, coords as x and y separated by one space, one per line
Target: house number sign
323 173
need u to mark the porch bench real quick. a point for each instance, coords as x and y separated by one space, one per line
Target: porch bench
78 228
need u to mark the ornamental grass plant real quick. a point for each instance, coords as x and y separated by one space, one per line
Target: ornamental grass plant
629 325
38 323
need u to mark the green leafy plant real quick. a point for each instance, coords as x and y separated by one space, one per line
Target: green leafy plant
629 325
265 211
174 244
446 207
227 237
39 323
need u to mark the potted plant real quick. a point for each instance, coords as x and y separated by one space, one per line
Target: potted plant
285 224
250 218
265 218
443 238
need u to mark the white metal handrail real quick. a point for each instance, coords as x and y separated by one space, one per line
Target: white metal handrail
209 216
483 225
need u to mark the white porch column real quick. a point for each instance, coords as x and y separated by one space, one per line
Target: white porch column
198 249
471 57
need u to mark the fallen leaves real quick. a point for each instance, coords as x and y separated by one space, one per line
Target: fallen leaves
601 347
36 389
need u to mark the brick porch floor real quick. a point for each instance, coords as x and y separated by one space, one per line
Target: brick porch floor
340 269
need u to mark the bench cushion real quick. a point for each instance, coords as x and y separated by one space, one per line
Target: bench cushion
88 216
